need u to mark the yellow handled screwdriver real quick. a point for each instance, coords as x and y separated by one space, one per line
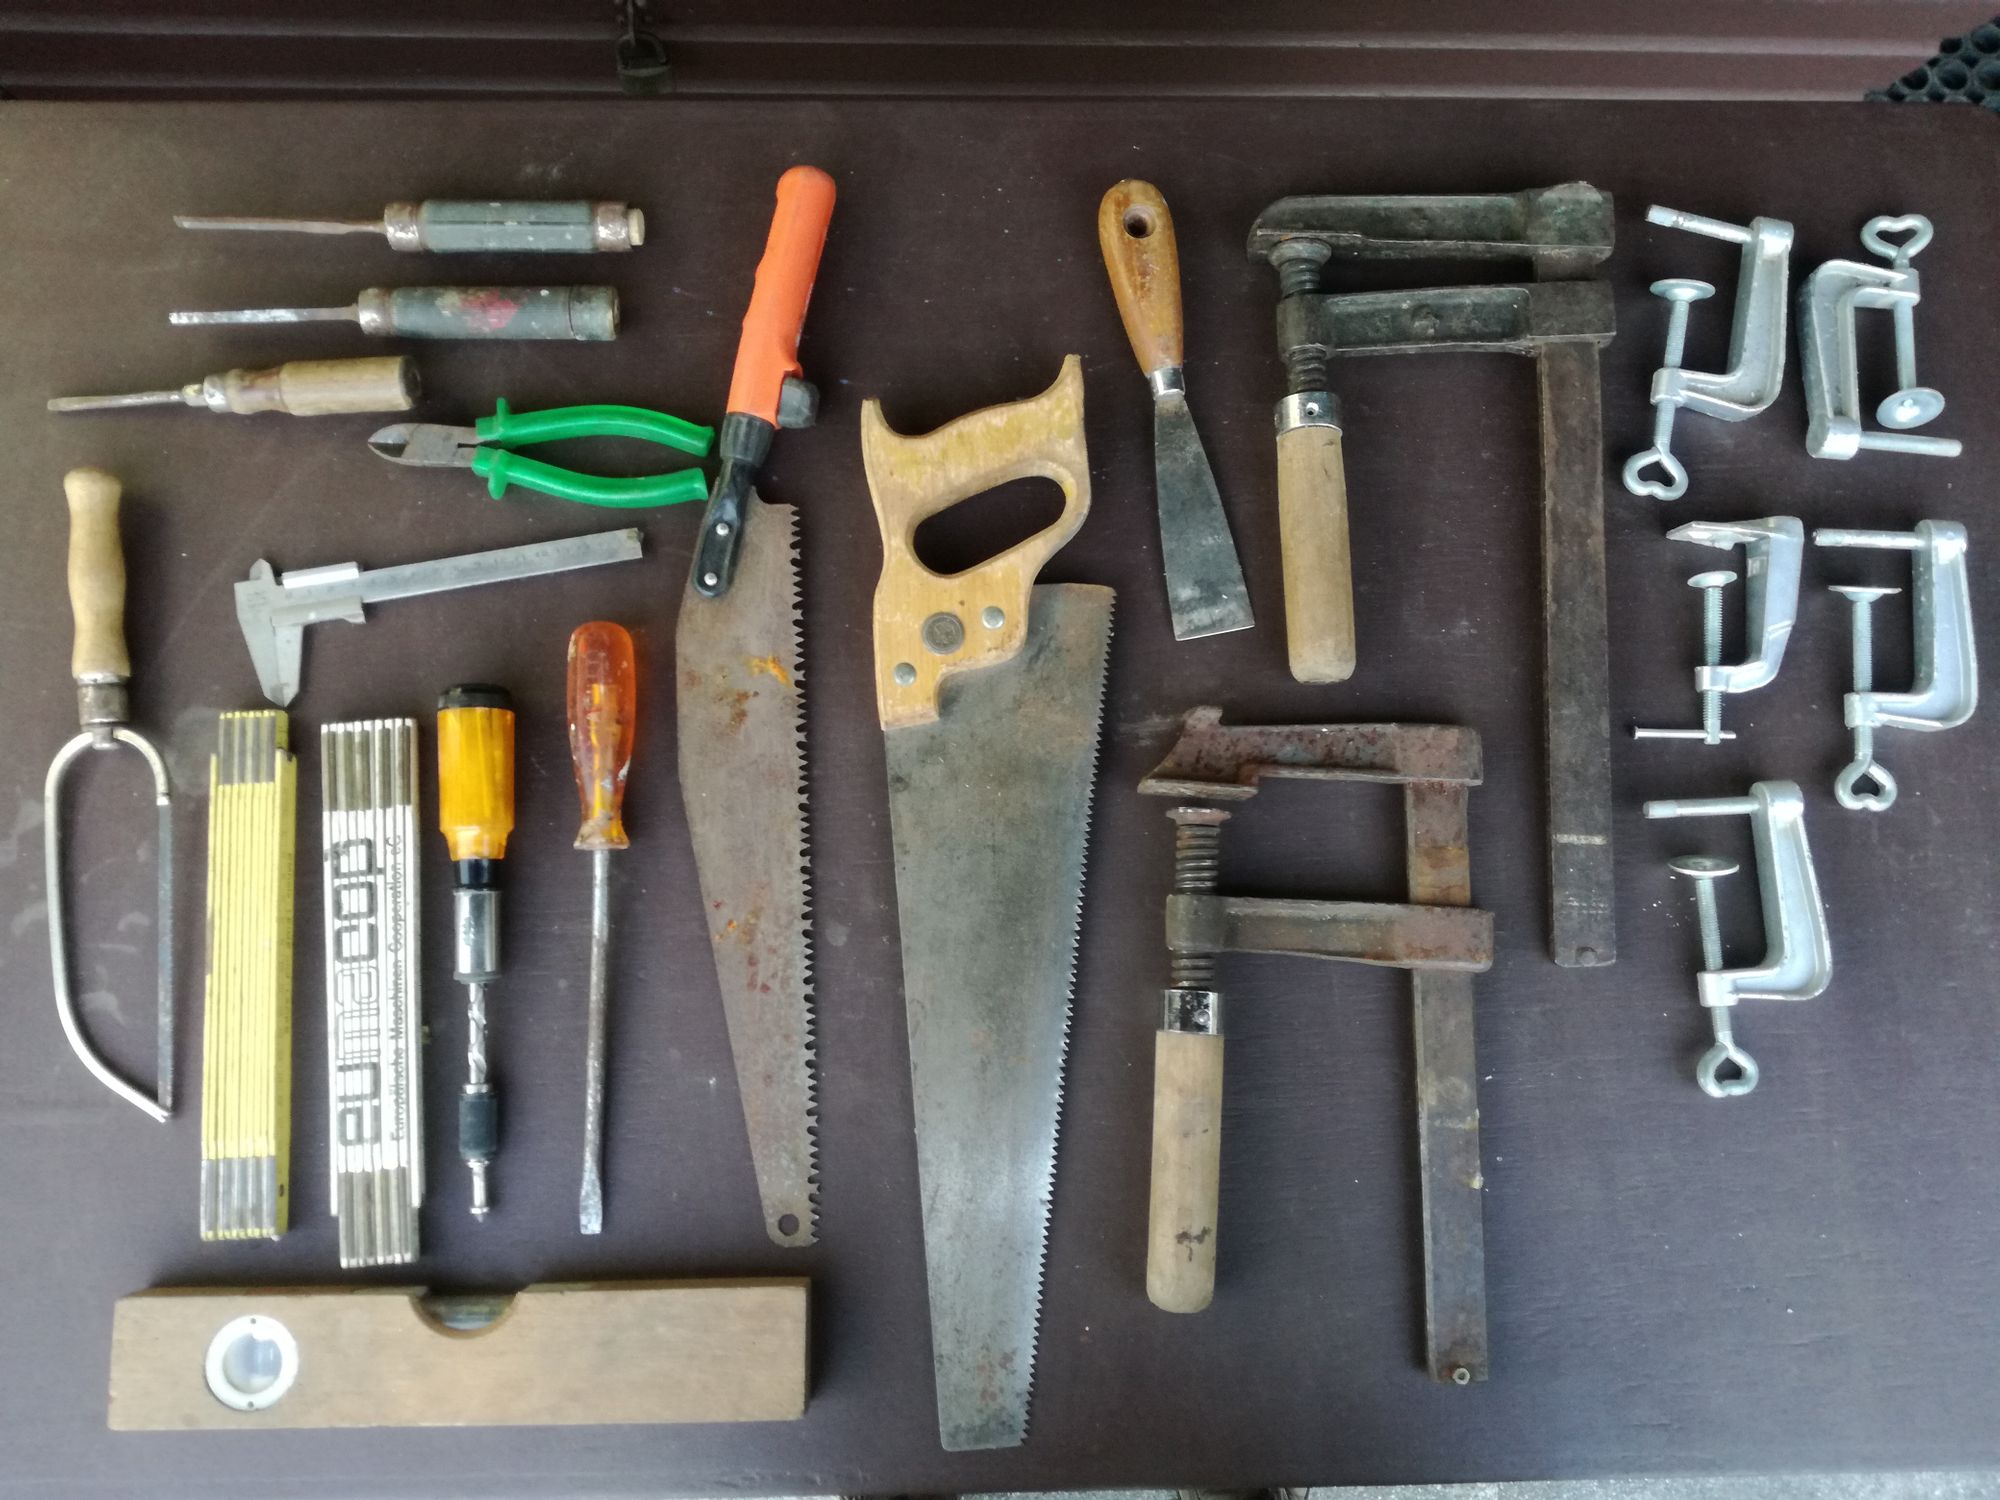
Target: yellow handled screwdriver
475 738
603 702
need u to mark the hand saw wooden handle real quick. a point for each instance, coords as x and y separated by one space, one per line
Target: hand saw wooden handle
928 626
1187 1168
96 578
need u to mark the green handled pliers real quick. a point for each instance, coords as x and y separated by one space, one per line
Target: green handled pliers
484 448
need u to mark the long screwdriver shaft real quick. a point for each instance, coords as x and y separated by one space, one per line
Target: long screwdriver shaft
285 226
590 1203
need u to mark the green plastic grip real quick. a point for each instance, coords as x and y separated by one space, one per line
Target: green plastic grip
500 468
522 429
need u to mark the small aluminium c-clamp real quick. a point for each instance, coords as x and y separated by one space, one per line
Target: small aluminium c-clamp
1772 551
1798 958
1827 306
1946 690
1756 344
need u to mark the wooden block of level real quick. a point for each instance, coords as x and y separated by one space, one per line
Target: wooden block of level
556 1355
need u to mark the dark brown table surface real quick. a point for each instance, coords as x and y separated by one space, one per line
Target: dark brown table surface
1800 1279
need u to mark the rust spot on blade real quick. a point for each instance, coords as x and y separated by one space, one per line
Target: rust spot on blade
770 666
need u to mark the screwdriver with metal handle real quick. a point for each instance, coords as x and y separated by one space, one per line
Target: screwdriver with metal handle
588 313
603 692
300 388
448 225
475 740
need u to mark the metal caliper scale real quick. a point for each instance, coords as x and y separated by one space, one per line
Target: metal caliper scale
1439 936
1561 318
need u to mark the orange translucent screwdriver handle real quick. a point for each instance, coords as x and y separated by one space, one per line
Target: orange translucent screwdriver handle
603 702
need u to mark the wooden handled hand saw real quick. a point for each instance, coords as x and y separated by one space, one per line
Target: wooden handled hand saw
990 690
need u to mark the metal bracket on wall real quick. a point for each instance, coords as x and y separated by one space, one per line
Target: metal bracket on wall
643 65
1561 319
1439 937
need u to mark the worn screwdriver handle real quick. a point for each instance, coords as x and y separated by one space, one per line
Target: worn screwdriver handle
96 577
1187 1169
318 387
1136 234
1319 568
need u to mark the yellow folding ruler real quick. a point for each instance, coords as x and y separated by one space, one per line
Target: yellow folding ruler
246 1075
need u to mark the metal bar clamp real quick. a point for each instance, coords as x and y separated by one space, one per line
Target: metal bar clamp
1440 937
1562 317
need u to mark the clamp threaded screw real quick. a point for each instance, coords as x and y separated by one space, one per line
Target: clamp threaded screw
1197 868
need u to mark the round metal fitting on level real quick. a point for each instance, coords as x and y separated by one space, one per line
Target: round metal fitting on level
251 1362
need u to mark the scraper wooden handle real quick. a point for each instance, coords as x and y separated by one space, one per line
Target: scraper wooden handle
1319 570
1187 1166
96 577
1136 234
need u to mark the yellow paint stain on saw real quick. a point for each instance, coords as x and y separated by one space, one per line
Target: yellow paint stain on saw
770 666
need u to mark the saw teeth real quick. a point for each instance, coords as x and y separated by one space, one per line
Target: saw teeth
1069 1014
791 1160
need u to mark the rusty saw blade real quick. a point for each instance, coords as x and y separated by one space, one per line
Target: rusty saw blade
989 809
741 712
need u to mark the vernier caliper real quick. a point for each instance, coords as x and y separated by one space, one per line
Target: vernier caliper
274 608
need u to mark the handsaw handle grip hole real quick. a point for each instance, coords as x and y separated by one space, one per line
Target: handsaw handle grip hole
974 531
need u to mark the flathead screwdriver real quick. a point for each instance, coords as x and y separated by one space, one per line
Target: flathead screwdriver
452 312
603 682
300 388
475 745
446 225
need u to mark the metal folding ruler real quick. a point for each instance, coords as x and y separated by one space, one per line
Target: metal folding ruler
1439 937
1561 318
374 1013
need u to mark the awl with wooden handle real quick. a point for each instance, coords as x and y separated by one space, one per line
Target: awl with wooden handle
1205 590
298 388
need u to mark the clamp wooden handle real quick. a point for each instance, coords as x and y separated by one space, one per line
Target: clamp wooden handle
1136 234
1187 1168
928 626
1319 569
96 577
